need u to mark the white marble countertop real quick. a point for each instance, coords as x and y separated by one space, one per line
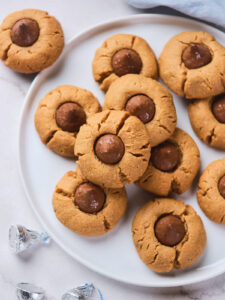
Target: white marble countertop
50 267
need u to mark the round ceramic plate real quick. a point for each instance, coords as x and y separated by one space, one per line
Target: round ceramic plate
112 255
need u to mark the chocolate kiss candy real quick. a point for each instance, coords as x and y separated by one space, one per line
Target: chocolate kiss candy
169 230
142 107
218 108
83 292
109 148
28 291
165 156
21 238
89 198
196 55
25 32
221 186
126 61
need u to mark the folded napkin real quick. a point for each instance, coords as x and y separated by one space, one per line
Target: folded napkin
209 10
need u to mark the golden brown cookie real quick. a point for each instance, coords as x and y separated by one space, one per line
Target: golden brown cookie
207 118
146 99
30 40
113 149
192 64
60 114
86 208
123 54
173 165
168 234
211 193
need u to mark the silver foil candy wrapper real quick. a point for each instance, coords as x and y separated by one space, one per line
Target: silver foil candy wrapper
83 292
21 238
28 291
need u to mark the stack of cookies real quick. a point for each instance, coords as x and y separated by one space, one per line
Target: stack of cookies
133 137
198 61
192 65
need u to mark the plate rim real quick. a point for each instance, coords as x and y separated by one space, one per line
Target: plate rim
28 99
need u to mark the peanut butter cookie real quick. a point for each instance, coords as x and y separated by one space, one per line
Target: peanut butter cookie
211 193
60 114
207 118
85 208
173 165
30 40
168 234
192 64
123 54
146 99
113 149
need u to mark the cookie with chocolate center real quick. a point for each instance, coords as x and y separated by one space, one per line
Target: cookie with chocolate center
85 207
168 235
30 40
146 99
60 114
173 165
120 55
192 65
211 193
113 149
207 117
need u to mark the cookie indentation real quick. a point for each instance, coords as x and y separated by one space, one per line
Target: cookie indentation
142 107
165 157
169 230
221 186
25 32
70 116
89 198
218 108
196 56
109 148
126 61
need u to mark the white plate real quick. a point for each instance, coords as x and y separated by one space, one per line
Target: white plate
112 255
